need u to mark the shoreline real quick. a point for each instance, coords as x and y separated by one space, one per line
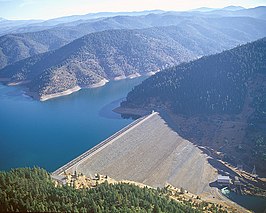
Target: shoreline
131 111
96 85
17 83
131 76
59 94
72 90
101 83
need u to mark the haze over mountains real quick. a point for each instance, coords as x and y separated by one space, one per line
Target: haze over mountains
15 47
59 58
19 26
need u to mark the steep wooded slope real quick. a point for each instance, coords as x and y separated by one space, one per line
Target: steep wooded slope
212 84
97 56
32 190
221 96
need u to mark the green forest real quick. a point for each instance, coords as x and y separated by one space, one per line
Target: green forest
220 84
32 190
209 85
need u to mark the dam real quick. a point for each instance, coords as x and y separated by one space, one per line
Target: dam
73 163
147 151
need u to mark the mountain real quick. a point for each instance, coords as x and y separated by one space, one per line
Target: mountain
114 54
23 26
204 9
222 94
257 12
7 26
89 16
229 8
233 8
96 58
15 47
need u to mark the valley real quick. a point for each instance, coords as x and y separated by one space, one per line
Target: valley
144 111
57 61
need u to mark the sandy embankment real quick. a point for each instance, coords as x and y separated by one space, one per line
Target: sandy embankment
72 90
55 95
122 77
134 75
77 88
17 83
99 84
152 73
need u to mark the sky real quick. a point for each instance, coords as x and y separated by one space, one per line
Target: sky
47 9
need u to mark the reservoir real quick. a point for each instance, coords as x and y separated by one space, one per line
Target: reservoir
256 204
49 134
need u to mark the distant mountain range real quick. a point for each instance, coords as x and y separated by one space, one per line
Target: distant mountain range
225 92
87 53
115 54
20 26
230 8
15 47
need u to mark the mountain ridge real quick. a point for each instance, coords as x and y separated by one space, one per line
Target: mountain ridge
222 93
99 57
84 48
15 47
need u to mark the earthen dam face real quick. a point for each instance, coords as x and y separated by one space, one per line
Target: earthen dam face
150 152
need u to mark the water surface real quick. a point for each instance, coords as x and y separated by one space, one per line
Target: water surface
256 204
49 134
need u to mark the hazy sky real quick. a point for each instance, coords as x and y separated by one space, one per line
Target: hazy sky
46 9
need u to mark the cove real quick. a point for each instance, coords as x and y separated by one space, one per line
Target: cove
49 134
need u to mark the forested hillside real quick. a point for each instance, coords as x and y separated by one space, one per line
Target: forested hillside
114 54
231 84
97 56
223 30
212 84
15 47
31 190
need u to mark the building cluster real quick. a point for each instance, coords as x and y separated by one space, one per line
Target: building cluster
78 180
226 180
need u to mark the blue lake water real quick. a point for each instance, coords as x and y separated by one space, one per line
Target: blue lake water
256 204
49 134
